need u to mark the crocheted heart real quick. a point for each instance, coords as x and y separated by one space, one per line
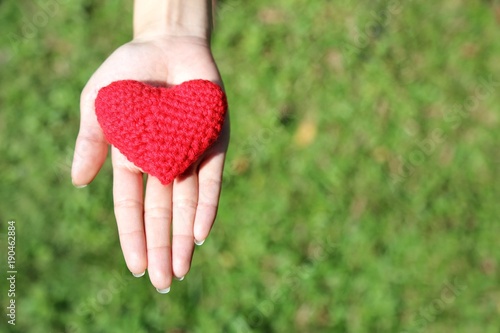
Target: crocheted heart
161 130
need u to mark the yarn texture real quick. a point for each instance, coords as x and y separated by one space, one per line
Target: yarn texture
161 130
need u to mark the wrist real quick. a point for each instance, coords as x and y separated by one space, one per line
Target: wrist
174 18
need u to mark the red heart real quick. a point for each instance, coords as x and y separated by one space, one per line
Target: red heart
161 130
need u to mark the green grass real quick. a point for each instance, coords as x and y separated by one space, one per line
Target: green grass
362 185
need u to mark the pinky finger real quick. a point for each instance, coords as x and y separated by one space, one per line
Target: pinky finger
209 182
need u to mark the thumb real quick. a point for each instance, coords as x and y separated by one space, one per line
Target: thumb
91 147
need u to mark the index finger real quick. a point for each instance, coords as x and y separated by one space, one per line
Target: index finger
129 208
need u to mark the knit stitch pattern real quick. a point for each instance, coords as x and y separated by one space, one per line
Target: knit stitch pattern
161 130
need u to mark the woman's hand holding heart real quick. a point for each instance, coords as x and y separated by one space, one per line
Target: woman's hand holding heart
158 227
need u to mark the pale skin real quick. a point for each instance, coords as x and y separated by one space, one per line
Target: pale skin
159 226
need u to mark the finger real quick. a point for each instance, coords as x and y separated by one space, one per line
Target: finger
184 201
157 221
210 181
91 147
128 199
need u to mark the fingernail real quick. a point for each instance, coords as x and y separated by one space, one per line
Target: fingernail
181 278
199 243
139 275
80 186
163 291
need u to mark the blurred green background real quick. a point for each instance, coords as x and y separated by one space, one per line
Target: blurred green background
361 187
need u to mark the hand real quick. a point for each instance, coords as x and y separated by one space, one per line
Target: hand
157 229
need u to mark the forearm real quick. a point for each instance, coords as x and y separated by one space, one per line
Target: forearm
183 18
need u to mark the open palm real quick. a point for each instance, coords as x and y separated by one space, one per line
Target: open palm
157 228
